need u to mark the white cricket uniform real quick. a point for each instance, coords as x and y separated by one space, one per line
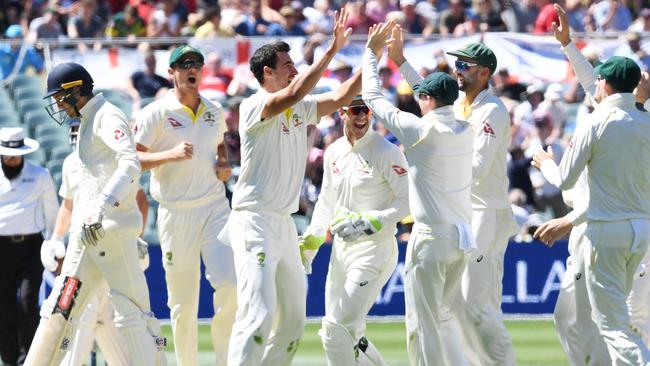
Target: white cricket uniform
613 147
578 339
438 149
492 224
104 145
193 210
367 177
270 280
96 322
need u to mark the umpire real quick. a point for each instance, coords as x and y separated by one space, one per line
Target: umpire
28 205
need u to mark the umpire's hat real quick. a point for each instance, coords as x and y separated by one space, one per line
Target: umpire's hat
66 76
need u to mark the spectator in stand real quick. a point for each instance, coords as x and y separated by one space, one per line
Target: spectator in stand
144 7
576 11
378 9
291 27
554 106
631 47
387 87
164 22
342 70
470 26
358 20
642 23
126 24
46 27
87 24
546 17
452 17
319 18
231 137
429 10
489 18
405 100
9 54
519 176
147 84
506 85
213 26
611 15
413 22
216 78
520 16
253 24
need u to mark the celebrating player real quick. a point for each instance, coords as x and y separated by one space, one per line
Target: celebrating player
178 138
365 181
438 148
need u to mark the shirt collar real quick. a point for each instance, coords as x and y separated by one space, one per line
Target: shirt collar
89 109
444 115
623 100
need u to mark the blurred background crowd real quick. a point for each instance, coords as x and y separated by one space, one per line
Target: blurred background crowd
542 114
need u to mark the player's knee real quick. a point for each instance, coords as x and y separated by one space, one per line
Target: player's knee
335 336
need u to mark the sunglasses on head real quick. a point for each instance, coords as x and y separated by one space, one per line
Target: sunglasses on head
357 110
189 64
464 65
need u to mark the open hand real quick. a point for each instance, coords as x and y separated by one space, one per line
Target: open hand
340 34
395 46
377 35
549 232
561 31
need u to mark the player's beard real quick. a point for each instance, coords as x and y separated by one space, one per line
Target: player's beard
12 172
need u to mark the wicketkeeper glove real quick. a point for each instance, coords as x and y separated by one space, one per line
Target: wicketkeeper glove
51 250
309 244
353 225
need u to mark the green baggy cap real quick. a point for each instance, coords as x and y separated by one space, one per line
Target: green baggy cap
621 73
181 51
439 85
478 52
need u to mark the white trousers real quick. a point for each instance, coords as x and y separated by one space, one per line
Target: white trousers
613 251
576 330
270 287
357 272
433 269
480 312
186 237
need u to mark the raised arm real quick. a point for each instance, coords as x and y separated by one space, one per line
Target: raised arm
329 102
304 83
396 54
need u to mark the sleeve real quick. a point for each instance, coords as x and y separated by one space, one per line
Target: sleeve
410 75
407 127
223 127
250 111
148 126
583 69
50 203
577 156
577 217
551 172
307 109
324 209
394 170
65 191
114 132
491 134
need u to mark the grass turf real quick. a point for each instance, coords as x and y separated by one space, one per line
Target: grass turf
535 342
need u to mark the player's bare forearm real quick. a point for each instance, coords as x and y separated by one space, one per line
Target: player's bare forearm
150 160
329 103
63 218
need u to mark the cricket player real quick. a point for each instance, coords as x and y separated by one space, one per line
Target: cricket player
96 322
274 145
438 149
577 331
365 181
179 137
492 219
614 149
104 227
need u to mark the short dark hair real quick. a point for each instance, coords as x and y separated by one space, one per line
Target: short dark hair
266 55
212 11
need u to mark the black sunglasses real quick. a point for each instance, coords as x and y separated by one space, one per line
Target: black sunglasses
357 110
189 64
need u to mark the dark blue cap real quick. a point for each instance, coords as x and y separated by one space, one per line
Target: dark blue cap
68 75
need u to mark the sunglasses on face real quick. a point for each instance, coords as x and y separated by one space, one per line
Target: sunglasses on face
600 77
355 111
464 65
190 64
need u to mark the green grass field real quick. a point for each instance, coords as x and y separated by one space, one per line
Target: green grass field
535 344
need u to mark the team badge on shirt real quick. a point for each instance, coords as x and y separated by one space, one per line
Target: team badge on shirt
174 123
285 129
208 117
400 171
297 121
335 169
487 129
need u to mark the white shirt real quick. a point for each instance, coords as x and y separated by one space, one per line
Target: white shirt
438 149
273 155
28 202
164 124
104 143
370 175
614 146
491 125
